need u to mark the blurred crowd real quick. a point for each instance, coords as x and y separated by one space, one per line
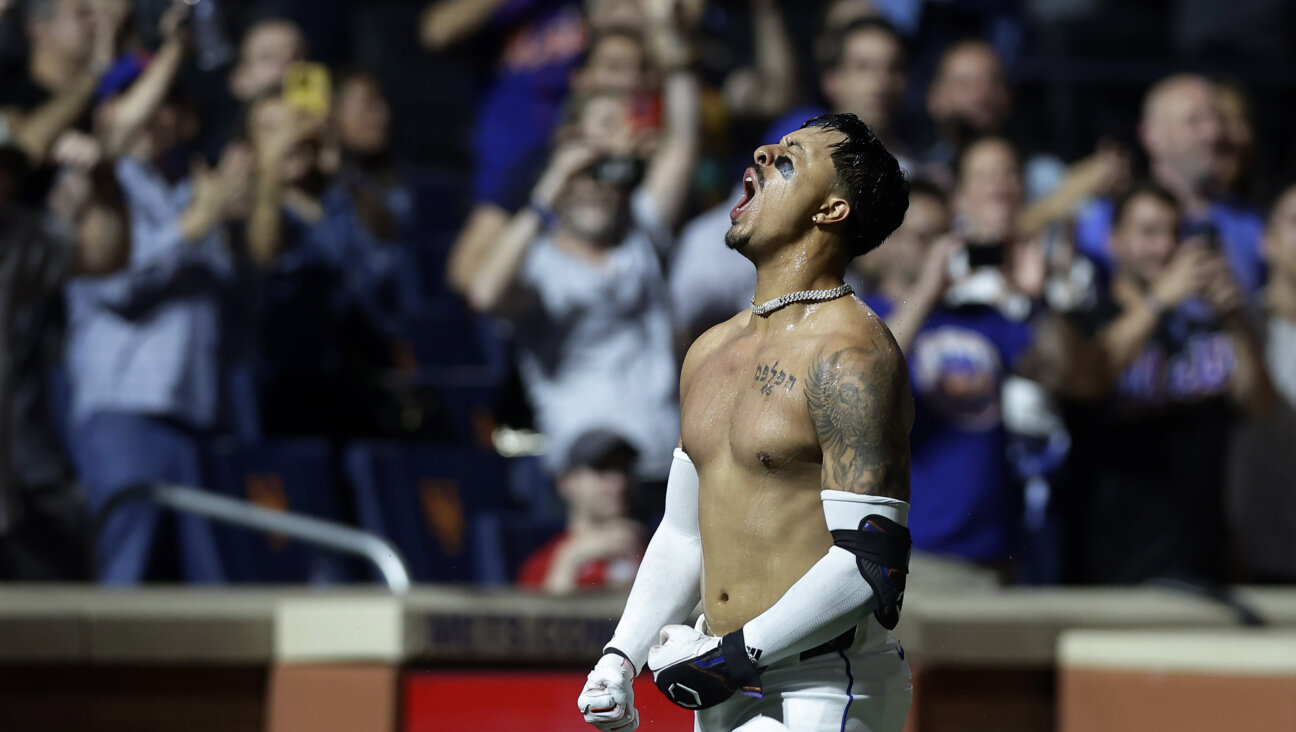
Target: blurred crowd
501 223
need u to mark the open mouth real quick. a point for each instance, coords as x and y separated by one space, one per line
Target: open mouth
749 192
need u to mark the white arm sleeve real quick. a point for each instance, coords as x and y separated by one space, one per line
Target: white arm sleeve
668 584
832 596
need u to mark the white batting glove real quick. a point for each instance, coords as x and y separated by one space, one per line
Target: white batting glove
607 701
680 643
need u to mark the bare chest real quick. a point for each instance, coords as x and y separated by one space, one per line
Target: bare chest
746 407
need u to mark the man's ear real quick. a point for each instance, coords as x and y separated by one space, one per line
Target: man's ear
834 211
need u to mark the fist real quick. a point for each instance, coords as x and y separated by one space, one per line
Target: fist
607 701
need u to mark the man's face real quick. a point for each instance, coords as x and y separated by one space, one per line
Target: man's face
592 209
990 192
870 81
68 31
363 117
268 50
598 494
617 63
905 251
1146 237
788 184
970 90
1280 238
1185 133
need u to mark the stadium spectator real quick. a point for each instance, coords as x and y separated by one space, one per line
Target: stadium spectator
70 45
1262 465
1187 144
82 234
616 61
143 344
268 48
963 341
968 99
587 295
601 546
865 76
1149 456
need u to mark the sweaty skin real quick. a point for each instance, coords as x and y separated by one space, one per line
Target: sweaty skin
771 416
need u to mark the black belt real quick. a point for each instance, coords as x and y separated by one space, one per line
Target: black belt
840 643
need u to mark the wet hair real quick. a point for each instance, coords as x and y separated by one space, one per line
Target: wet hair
1141 189
834 49
875 187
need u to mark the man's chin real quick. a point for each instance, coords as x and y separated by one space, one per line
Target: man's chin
736 240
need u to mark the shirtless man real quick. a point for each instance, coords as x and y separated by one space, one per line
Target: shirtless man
787 503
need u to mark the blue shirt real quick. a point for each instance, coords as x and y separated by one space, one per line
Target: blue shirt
146 340
523 105
1240 228
963 502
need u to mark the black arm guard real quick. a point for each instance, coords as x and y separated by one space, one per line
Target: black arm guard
881 548
707 680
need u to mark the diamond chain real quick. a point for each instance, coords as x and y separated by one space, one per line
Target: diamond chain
802 296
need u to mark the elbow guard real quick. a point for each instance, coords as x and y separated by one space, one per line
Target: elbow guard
881 548
873 528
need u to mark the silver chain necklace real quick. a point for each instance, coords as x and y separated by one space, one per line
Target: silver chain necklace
802 296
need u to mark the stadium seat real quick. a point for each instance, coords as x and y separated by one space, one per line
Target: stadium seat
504 541
288 475
425 500
464 399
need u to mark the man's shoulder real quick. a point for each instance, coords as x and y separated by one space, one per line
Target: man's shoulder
856 325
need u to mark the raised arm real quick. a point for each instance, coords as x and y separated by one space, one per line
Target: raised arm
137 104
36 131
447 22
670 171
493 283
776 64
1125 336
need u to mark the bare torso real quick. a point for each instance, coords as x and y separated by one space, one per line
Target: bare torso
758 449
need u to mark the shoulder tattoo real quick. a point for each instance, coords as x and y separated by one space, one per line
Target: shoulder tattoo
857 408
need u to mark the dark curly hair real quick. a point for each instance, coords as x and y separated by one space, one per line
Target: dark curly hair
869 175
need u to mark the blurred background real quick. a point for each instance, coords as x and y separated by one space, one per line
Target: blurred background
343 296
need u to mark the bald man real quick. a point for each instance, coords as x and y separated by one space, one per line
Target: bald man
1183 132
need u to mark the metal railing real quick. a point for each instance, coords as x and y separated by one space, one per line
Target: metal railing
308 529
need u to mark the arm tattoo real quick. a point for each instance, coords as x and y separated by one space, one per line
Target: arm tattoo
856 408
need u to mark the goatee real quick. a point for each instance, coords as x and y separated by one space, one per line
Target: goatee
736 241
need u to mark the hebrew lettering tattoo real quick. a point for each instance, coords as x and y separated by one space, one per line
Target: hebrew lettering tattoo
770 376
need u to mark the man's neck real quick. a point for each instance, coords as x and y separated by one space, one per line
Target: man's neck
1280 297
50 71
794 269
1192 200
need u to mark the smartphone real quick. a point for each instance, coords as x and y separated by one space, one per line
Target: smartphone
1203 232
307 87
985 254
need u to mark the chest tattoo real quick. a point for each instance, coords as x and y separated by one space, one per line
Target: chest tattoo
771 377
